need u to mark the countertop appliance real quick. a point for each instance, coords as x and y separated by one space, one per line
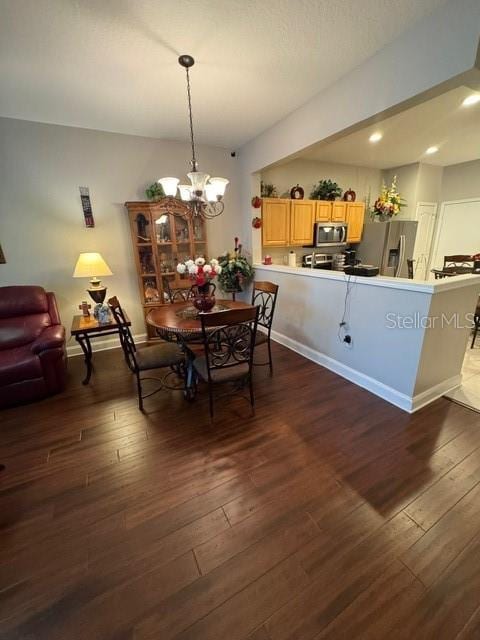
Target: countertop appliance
329 234
317 261
366 270
388 245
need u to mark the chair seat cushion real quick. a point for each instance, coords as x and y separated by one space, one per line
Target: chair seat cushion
261 338
19 364
227 374
159 355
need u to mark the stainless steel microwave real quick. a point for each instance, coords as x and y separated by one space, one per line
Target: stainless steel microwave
326 234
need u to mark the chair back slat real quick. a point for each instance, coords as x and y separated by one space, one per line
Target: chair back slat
457 261
264 295
229 337
126 338
177 294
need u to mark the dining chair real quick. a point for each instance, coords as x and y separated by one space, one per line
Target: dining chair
229 344
476 323
458 261
264 295
177 294
156 356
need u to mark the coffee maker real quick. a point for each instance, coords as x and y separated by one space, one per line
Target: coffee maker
350 257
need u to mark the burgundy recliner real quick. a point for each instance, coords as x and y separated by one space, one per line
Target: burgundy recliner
32 345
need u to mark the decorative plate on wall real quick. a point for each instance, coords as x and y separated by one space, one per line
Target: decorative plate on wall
349 195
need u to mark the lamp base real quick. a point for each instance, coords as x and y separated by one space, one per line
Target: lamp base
97 293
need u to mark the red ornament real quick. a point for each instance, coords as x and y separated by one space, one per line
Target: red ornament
256 202
256 223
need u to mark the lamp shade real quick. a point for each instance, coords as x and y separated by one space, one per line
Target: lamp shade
91 264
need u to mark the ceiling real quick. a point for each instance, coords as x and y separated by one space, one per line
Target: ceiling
442 122
112 64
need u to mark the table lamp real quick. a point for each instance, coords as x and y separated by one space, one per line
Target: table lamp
92 265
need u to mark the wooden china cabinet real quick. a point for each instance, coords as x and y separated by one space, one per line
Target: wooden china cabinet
160 240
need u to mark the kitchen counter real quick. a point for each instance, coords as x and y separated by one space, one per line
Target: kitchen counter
405 284
408 337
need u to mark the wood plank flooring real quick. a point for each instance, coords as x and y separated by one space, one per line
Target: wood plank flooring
329 515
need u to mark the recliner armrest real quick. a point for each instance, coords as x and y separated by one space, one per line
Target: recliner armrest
50 338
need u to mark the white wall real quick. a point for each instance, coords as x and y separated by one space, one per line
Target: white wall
41 220
405 362
362 180
461 181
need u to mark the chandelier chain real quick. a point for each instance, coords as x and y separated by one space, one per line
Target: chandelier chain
194 160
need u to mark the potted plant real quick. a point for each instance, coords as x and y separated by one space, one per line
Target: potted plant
236 270
326 190
155 192
202 273
389 202
268 190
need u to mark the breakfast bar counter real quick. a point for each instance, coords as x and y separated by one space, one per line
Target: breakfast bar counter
407 338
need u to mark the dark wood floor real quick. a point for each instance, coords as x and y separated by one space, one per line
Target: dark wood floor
330 515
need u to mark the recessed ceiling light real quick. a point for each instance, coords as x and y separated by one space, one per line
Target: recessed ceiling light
375 137
473 99
431 150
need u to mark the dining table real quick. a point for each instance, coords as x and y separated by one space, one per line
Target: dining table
181 322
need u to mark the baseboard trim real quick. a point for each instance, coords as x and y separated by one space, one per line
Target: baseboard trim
103 345
401 400
439 390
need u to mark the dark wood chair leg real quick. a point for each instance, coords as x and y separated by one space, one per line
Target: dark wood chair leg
139 392
475 331
270 361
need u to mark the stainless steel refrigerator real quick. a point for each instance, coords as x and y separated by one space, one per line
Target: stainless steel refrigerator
388 245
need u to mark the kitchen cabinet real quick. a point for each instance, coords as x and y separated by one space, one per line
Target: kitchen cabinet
339 211
323 211
302 217
355 215
275 222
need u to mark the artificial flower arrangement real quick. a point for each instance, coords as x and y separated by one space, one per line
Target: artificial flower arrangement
389 202
235 269
200 271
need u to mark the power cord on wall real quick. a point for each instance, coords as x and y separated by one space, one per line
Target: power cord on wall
343 334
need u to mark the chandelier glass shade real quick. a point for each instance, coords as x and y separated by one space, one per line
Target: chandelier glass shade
203 197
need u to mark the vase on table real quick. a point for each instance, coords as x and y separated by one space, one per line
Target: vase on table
203 296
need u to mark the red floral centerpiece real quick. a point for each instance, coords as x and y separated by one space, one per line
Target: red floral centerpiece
202 273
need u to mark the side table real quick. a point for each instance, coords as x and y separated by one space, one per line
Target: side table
85 329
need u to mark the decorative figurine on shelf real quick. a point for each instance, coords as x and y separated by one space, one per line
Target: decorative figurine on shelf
349 195
84 308
101 313
236 270
151 292
297 193
142 233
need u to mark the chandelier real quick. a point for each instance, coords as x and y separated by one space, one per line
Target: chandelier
203 197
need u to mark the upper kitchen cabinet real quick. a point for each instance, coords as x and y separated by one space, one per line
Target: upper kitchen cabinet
302 217
323 211
275 222
339 211
355 215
